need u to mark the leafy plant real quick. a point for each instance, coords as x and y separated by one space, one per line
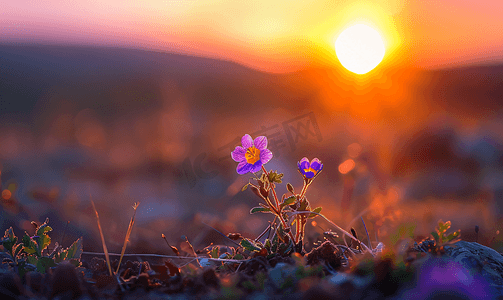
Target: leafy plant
31 253
252 156
442 238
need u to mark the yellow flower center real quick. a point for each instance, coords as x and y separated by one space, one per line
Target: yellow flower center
252 155
310 170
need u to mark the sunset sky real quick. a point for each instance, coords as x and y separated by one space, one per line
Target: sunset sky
270 35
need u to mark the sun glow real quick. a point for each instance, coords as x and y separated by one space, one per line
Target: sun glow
359 48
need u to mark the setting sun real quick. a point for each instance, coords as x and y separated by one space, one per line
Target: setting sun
359 48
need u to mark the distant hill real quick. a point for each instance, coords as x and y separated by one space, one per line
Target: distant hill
128 80
28 73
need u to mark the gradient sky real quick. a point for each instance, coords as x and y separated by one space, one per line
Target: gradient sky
272 35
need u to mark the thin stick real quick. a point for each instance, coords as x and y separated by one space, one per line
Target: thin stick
168 256
268 228
366 210
333 224
368 237
128 234
193 252
220 234
172 248
102 239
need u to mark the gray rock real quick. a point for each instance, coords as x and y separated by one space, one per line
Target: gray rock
479 259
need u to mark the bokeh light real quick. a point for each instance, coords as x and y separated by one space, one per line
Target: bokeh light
347 166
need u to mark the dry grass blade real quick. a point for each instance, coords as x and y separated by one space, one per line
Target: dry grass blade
172 247
128 233
102 239
338 227
169 256
221 234
193 252
368 237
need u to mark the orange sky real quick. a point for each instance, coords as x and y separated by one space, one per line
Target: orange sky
271 35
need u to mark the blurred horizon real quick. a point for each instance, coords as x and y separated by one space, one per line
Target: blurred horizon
276 36
123 125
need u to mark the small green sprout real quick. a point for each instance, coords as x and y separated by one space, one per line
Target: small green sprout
440 236
31 253
440 239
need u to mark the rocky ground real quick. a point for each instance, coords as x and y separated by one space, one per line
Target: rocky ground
464 270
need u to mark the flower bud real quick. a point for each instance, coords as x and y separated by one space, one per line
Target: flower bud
256 191
289 187
264 192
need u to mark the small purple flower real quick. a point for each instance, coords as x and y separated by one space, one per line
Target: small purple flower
309 170
252 155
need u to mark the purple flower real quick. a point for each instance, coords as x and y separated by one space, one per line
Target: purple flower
252 155
445 278
309 170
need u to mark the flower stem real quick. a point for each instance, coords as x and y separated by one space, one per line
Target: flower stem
272 189
276 209
304 189
300 226
286 227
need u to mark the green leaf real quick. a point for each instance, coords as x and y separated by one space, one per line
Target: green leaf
267 244
245 187
452 236
22 268
275 177
259 209
32 259
29 245
44 263
238 256
9 240
436 237
214 252
393 239
410 230
248 245
17 249
285 249
316 210
75 250
43 229
75 262
303 205
288 201
275 243
9 233
443 227
44 240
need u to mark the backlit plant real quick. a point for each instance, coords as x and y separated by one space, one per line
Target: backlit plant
32 253
251 157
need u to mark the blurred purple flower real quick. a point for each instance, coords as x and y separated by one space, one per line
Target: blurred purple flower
309 170
252 155
444 278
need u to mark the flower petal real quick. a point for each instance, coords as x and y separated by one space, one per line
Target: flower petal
260 142
246 141
316 164
308 174
265 156
238 154
303 163
243 167
256 167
